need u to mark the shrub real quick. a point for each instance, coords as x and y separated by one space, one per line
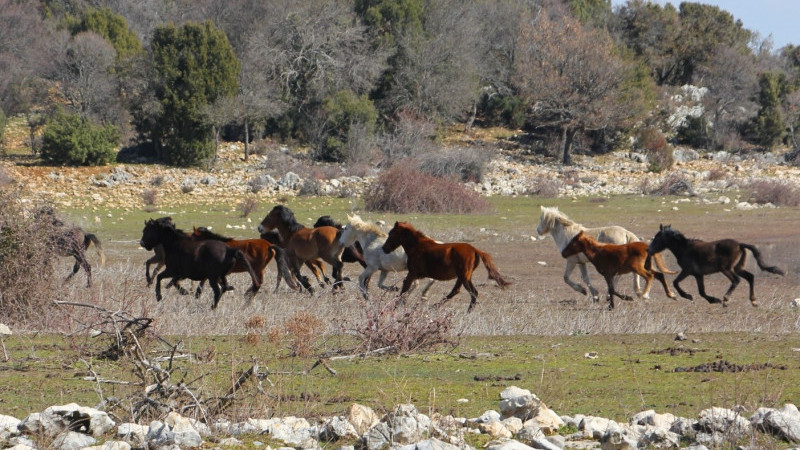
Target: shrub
403 327
464 164
674 183
26 270
504 110
404 188
545 187
149 197
652 141
69 139
302 328
188 152
411 137
248 205
695 132
772 191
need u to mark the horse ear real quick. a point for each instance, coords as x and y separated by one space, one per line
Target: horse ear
660 227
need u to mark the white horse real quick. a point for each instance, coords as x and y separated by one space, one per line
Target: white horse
371 238
563 230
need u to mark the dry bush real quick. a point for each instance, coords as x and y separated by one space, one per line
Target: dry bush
403 326
772 191
149 197
674 183
27 283
659 153
255 326
465 164
717 173
404 188
157 180
302 327
247 206
545 187
412 136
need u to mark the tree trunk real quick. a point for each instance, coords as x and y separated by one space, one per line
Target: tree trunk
567 134
216 143
471 120
246 138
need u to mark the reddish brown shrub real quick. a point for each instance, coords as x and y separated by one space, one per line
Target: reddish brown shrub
652 141
302 328
405 189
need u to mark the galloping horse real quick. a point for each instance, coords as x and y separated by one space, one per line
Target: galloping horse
305 244
187 258
699 258
353 253
71 241
259 253
617 259
563 230
430 259
371 238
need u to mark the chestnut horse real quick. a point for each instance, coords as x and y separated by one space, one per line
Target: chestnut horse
305 244
259 253
187 258
617 259
699 258
427 258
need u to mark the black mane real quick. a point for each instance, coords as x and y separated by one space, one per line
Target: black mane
211 235
288 219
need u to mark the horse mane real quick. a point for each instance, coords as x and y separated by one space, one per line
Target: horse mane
288 219
551 215
365 227
327 221
166 223
210 234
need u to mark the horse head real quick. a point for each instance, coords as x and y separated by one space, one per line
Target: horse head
575 246
157 231
662 239
279 217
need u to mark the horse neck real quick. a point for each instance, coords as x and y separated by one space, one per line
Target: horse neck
589 247
368 239
563 234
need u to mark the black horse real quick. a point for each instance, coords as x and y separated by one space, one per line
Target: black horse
196 260
66 240
699 258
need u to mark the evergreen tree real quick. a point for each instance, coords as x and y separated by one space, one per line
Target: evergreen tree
768 126
195 66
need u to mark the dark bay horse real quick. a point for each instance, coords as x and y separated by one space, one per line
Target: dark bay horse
196 260
259 253
611 260
699 258
71 241
440 261
305 244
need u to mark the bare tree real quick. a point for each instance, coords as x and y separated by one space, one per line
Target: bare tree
571 77
731 77
86 76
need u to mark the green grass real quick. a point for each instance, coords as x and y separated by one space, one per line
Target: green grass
627 376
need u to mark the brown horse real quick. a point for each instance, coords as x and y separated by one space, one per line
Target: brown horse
259 253
305 244
440 261
617 259
699 258
73 241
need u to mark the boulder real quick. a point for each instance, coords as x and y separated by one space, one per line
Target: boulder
783 423
55 419
361 417
72 440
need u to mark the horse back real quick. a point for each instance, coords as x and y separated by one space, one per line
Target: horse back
442 261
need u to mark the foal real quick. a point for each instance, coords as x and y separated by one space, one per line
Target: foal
617 259
700 258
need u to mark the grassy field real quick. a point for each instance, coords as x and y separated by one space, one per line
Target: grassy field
534 335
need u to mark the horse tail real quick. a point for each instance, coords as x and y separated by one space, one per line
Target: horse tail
661 266
241 258
283 267
757 256
494 274
88 239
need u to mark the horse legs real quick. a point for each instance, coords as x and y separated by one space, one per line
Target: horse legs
568 270
750 279
363 280
734 282
217 290
382 278
80 261
612 291
456 289
676 283
427 288
701 288
660 277
160 277
473 294
159 265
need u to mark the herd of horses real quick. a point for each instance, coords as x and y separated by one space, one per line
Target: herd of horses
205 256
